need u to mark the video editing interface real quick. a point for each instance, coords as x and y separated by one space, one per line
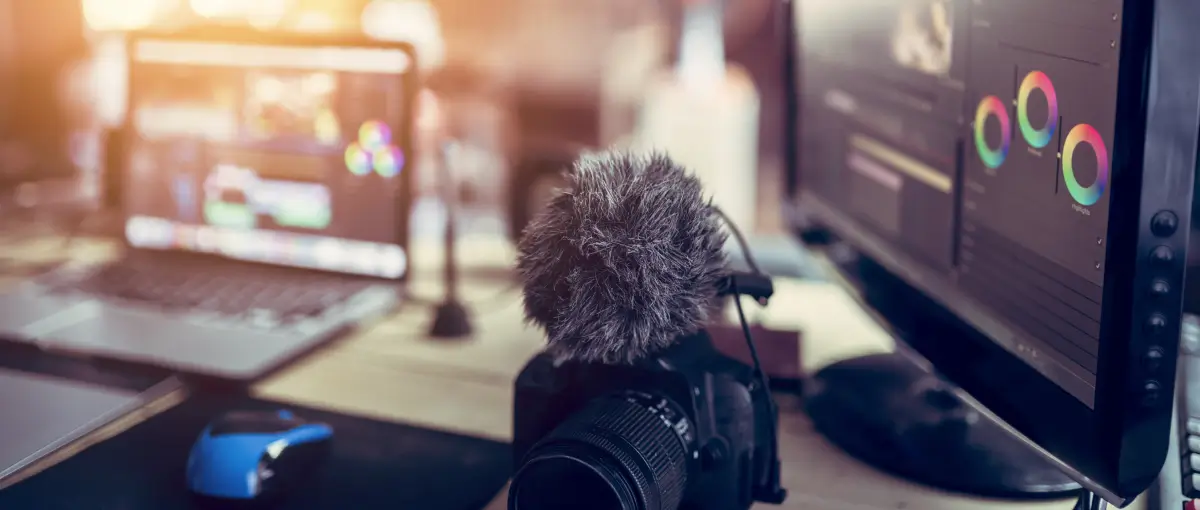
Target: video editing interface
972 139
276 154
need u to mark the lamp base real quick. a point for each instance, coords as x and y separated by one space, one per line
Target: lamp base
451 320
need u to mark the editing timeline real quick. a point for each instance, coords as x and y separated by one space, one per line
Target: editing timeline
277 154
251 216
1036 173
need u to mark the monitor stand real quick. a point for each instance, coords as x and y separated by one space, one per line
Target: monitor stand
888 412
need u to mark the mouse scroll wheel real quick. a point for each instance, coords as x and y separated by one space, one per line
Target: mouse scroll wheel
286 415
254 423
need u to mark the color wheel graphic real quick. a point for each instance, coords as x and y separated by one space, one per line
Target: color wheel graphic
1037 138
1085 134
991 106
374 152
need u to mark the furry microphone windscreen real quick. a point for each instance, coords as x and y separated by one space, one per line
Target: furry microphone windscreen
623 261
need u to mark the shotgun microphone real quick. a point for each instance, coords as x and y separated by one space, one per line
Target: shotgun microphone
625 261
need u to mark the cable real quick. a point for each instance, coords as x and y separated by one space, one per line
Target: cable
760 375
741 240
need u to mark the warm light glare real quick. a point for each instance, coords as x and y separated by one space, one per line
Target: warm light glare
110 73
412 21
269 90
266 14
215 8
429 116
368 60
315 22
104 15
318 84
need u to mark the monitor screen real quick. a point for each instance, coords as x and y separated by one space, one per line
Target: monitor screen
976 172
293 155
1006 166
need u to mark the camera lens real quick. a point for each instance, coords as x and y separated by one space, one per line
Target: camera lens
627 451
566 481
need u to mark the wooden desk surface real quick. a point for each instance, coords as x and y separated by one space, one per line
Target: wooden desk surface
391 370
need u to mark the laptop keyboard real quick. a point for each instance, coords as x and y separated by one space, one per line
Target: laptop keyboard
265 295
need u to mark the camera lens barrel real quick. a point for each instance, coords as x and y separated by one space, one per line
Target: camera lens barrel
626 451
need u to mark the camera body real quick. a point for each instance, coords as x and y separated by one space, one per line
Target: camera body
682 430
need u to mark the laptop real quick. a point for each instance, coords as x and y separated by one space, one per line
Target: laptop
265 197
57 413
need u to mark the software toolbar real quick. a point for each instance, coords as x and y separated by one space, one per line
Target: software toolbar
274 247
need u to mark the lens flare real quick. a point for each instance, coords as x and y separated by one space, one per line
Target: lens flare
358 161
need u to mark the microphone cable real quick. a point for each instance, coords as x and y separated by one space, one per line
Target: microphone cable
741 241
763 381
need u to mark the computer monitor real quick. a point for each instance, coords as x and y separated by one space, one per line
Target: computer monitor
286 150
1016 179
1191 286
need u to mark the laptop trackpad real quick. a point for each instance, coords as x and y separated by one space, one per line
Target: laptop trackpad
170 342
29 315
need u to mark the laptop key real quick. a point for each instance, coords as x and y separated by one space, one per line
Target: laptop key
263 318
261 298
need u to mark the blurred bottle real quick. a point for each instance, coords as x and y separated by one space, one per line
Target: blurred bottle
705 114
639 47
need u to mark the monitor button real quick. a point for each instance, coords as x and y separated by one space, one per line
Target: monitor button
1164 224
1189 340
1156 324
1151 393
1162 255
1193 428
1153 359
1159 288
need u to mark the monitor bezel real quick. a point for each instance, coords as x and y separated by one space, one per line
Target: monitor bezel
1093 445
247 36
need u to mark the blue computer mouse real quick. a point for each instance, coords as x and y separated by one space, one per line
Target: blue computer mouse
255 455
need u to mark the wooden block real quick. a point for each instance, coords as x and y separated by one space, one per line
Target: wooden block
778 350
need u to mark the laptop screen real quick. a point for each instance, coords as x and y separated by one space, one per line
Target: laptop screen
287 155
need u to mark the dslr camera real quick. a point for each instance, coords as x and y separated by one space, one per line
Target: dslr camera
689 428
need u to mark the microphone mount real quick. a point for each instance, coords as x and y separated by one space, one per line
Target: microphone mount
753 285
